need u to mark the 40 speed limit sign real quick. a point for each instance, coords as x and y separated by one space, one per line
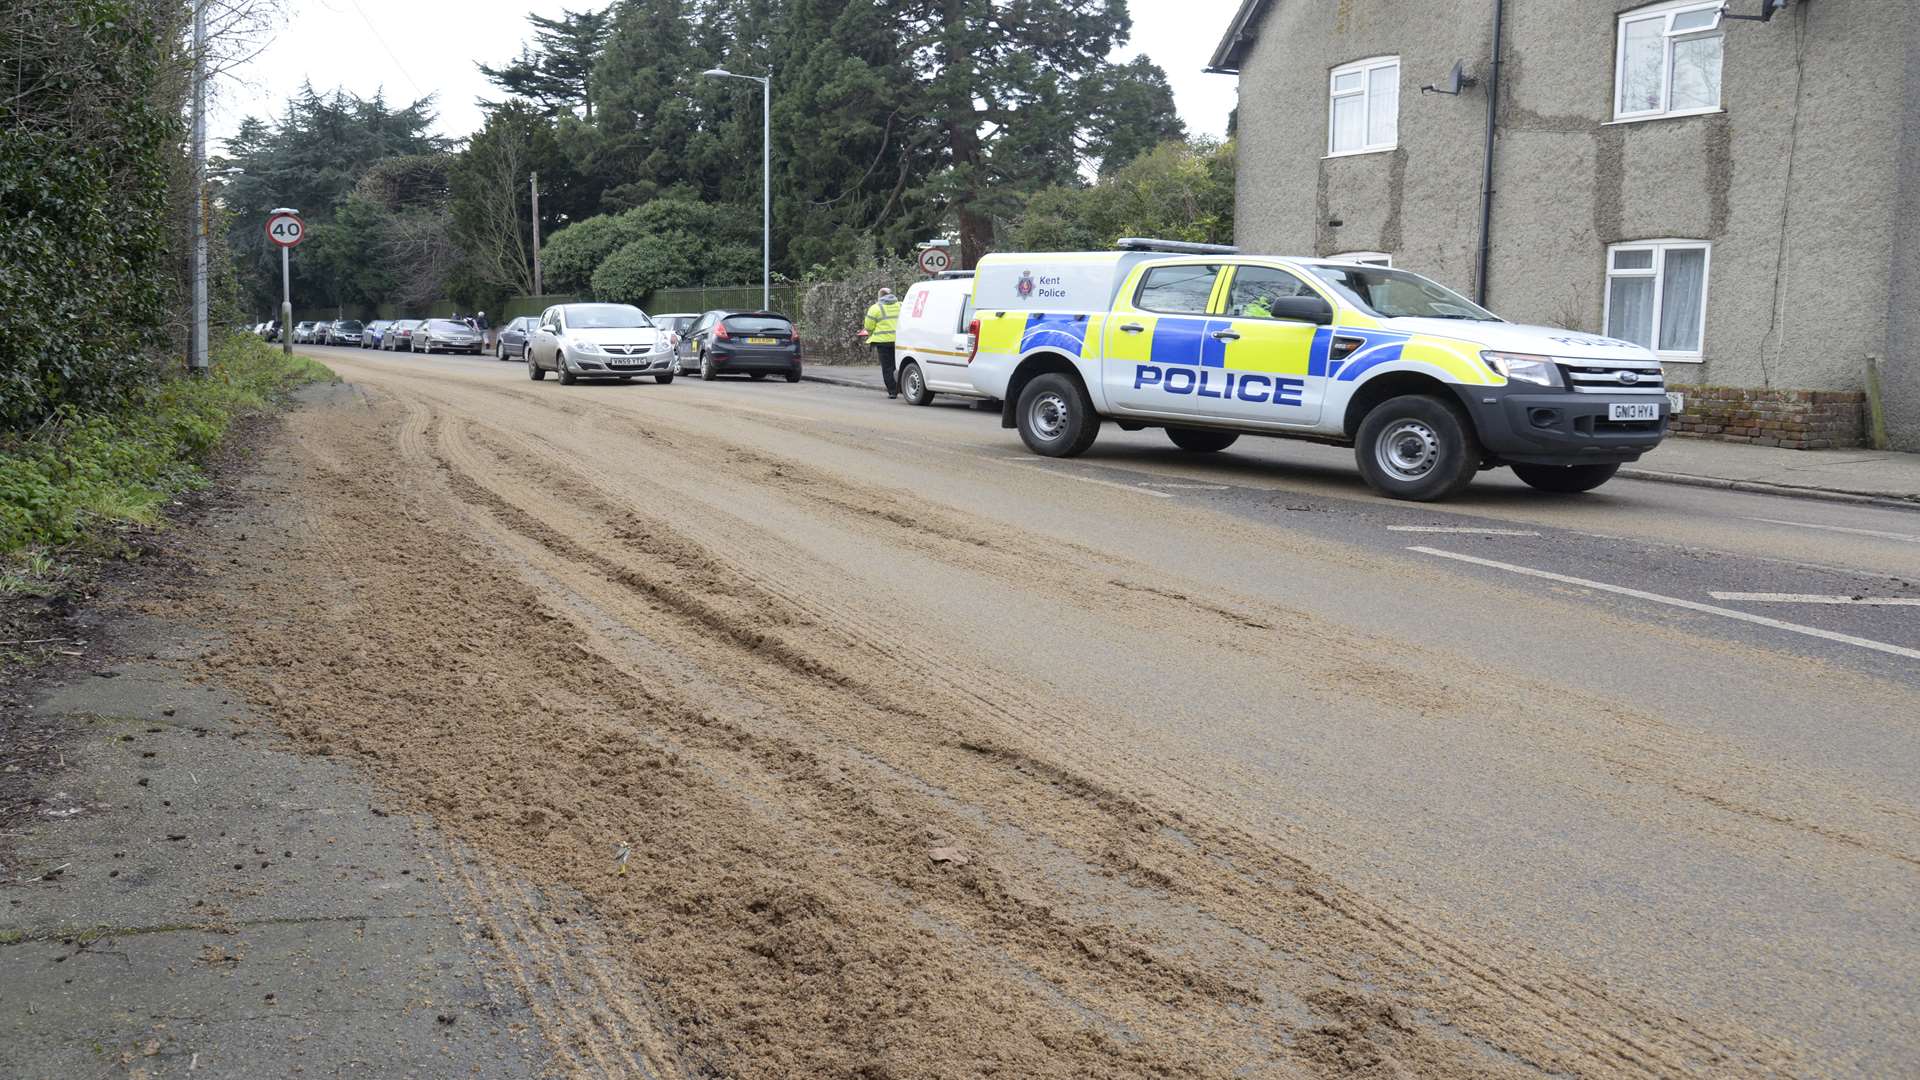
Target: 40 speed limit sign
286 229
935 260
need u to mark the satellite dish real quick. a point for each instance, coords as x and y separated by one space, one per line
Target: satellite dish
1456 80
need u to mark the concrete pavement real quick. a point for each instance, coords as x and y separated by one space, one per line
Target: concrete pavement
1874 476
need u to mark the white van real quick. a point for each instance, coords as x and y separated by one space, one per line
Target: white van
931 342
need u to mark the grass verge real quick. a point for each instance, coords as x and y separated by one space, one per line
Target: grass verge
78 479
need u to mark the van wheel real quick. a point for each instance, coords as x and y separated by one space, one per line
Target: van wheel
1201 440
1568 479
1417 447
913 385
1055 417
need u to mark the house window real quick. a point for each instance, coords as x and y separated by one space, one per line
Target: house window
1657 295
1363 111
1667 61
1364 258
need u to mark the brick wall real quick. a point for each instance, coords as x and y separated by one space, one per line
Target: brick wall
1797 419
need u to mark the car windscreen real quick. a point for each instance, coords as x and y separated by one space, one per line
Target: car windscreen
605 317
446 324
677 323
346 324
1393 294
758 324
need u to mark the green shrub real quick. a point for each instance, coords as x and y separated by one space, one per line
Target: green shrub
83 469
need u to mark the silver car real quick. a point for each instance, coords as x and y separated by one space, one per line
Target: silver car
446 335
598 341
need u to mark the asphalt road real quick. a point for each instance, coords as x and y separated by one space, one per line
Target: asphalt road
1598 745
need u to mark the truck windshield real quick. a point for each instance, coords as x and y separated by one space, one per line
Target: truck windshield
1394 294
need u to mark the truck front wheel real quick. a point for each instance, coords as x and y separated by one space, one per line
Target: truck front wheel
1569 479
1417 447
1055 418
1202 440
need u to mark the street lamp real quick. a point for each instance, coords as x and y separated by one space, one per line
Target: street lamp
766 176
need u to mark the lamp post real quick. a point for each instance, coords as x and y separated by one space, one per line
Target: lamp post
766 176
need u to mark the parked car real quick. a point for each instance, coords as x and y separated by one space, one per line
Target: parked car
510 342
932 341
375 330
272 332
341 332
676 324
754 343
446 335
303 332
598 341
399 336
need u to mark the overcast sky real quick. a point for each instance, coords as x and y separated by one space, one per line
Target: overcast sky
411 48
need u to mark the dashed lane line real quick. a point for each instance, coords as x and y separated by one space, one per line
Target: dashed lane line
1674 601
1459 529
1812 598
1902 537
1018 464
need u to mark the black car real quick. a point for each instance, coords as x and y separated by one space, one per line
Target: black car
340 332
755 343
510 341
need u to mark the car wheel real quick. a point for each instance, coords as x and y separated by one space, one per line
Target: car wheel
534 371
794 375
706 368
1417 447
678 368
1202 440
1565 479
913 385
567 378
1055 417
664 378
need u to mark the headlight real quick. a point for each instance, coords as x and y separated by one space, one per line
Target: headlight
585 346
1524 367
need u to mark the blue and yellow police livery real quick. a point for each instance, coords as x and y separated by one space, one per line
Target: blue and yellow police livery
1209 344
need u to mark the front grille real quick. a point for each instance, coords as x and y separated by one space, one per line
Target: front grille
1604 377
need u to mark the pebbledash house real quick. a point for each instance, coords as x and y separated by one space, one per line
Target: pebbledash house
1733 183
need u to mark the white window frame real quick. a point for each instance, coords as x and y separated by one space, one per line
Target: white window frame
1365 69
1364 258
1658 272
1664 13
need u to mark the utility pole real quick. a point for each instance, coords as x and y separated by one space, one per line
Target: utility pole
197 354
535 181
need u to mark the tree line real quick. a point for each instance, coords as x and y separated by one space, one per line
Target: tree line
892 122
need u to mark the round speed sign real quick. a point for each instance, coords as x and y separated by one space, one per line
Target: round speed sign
935 260
286 229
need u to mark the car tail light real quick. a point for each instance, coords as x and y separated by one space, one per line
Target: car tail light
973 338
720 332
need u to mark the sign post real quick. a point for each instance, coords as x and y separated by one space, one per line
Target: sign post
285 229
935 261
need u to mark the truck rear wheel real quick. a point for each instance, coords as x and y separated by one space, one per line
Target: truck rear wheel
1417 447
1568 479
1202 440
1055 418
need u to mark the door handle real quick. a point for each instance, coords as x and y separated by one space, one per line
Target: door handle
1132 328
1226 335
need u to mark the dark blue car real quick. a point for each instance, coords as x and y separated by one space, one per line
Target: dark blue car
510 341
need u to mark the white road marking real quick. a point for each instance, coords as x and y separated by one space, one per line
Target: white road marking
1019 464
1456 529
1903 537
1171 484
1811 598
1674 601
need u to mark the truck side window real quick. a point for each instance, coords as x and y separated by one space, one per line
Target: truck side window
1253 284
1180 290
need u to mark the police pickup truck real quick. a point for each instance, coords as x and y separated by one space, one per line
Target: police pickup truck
1208 344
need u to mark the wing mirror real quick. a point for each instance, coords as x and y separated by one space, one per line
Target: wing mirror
1309 309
